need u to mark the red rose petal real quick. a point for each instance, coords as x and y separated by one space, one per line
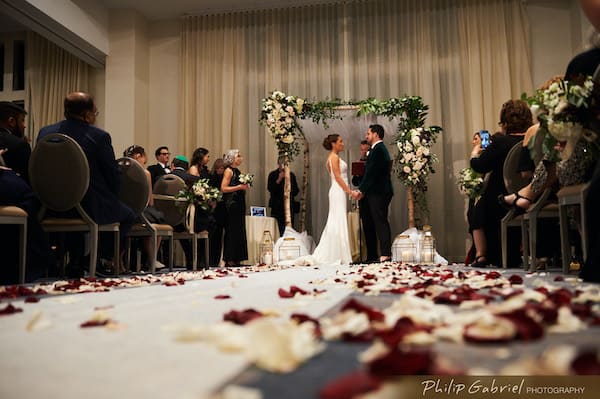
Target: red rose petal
32 299
515 279
372 314
527 328
349 386
242 317
284 294
94 323
586 363
222 296
399 362
297 290
9 309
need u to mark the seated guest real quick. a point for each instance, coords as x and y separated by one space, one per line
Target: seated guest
162 166
101 201
515 119
16 192
179 167
12 138
198 165
152 214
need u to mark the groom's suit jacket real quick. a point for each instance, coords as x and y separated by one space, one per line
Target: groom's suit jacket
377 172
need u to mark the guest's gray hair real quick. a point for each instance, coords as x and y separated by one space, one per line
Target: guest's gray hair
229 156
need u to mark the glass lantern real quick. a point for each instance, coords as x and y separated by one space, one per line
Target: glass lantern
266 248
427 246
404 250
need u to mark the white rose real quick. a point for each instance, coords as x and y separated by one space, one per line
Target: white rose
426 151
417 165
290 110
408 156
416 139
561 106
288 139
407 147
419 151
406 169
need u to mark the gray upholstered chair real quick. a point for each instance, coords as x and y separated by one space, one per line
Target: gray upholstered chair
134 193
513 181
165 189
59 173
570 196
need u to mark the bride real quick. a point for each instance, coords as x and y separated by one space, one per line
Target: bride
334 246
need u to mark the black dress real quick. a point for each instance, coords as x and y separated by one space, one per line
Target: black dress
220 218
235 247
487 213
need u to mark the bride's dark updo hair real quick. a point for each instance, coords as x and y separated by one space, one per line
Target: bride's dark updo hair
329 140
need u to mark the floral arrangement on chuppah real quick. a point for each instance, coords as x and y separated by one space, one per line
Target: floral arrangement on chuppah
563 110
414 159
278 114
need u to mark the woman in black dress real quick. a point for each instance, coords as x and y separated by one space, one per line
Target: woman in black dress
219 213
235 247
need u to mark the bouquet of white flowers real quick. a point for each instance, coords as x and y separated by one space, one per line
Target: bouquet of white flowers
201 193
246 178
470 183
415 160
561 110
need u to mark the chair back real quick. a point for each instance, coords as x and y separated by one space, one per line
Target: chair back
513 181
59 172
135 189
168 186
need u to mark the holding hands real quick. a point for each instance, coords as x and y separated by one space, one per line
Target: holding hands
355 194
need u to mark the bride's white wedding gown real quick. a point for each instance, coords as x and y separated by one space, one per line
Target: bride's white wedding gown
334 246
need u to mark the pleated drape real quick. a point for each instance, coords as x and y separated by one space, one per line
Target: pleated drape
464 57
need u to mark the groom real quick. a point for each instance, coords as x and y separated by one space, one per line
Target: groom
376 188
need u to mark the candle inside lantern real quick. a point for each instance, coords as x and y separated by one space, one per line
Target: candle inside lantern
268 258
407 255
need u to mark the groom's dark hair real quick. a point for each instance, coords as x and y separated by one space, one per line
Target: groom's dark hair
377 129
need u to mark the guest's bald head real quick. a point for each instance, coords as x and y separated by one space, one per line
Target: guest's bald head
79 105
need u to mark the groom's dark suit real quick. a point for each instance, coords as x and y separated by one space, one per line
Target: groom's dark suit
376 186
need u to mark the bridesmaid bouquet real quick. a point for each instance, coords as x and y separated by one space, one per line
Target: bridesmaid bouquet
470 183
246 178
563 110
201 194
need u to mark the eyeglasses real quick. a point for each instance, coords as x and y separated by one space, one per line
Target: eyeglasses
165 153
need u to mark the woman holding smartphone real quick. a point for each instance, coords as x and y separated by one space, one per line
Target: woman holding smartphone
515 119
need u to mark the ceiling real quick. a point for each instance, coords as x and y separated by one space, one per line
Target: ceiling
168 9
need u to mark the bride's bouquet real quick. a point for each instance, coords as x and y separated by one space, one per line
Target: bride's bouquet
470 183
246 178
201 194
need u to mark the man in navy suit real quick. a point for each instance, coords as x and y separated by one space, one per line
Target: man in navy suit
376 187
101 201
12 138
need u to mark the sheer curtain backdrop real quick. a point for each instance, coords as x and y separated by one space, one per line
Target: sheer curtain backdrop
464 57
51 73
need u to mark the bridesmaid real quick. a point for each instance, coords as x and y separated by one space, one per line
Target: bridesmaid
235 247
198 165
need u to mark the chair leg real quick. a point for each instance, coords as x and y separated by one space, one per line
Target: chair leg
23 252
117 252
152 255
584 236
206 252
504 243
525 243
533 242
194 252
564 237
171 250
93 249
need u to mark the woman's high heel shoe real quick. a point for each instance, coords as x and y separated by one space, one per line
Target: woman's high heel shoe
508 205
480 261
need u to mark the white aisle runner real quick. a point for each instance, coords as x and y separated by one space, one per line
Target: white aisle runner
142 359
